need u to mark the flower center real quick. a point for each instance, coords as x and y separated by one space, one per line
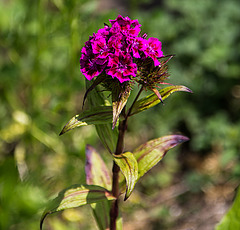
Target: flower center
122 67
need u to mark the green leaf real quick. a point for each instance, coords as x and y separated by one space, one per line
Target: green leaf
95 97
97 115
231 220
92 86
107 136
129 168
119 100
150 153
101 212
119 223
96 170
152 99
76 196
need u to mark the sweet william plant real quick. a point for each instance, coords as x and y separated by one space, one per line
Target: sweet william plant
113 60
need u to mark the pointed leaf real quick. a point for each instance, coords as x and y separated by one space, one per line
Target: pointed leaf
157 94
129 168
97 115
76 196
150 153
107 136
119 100
152 99
96 170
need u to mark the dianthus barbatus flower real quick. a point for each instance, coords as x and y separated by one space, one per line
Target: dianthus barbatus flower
153 49
125 25
121 67
119 51
91 66
100 48
117 56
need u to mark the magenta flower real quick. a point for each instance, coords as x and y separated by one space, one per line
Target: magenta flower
124 23
136 44
121 67
125 26
134 31
153 49
91 67
100 48
103 31
117 43
87 49
118 50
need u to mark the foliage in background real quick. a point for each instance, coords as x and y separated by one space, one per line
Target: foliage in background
206 41
40 84
40 43
231 219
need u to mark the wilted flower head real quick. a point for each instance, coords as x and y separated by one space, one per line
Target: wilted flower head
118 51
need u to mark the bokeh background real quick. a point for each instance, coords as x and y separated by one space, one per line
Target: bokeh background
41 88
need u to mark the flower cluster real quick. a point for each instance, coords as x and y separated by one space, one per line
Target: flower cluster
116 50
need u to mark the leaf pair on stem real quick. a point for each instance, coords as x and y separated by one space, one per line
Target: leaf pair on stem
133 165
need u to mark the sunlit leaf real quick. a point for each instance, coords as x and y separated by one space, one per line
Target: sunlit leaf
97 115
152 99
76 196
150 153
96 170
119 100
231 220
129 168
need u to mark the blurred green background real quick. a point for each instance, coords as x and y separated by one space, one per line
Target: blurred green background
41 88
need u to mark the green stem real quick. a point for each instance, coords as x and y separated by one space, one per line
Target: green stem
115 182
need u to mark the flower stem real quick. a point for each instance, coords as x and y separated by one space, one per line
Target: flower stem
115 188
115 182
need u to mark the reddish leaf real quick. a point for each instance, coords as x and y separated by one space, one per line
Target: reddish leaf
150 153
96 171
